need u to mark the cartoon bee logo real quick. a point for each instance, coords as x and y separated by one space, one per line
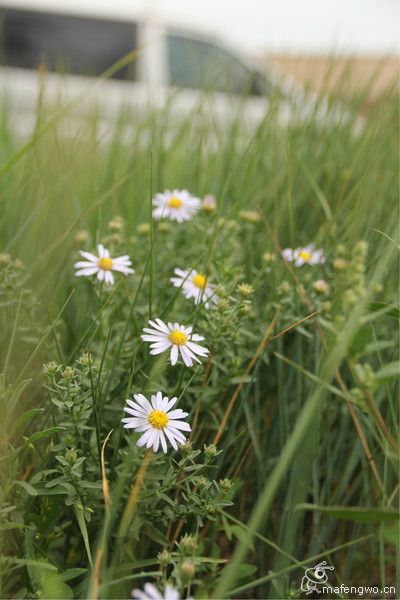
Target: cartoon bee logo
314 577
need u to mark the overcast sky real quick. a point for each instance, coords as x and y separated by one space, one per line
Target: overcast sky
361 26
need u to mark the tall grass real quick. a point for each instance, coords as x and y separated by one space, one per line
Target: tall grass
299 394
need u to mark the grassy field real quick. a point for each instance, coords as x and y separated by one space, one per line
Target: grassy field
293 456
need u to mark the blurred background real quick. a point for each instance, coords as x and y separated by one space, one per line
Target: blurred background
241 46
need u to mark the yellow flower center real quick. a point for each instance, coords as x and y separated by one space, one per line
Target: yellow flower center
175 202
158 419
105 263
177 337
305 255
199 281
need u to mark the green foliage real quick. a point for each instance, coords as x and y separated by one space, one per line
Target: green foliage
306 465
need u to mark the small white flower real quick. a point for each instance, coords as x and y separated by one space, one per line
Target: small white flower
157 421
177 337
304 256
195 285
102 265
178 205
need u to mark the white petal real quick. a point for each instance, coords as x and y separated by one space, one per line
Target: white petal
139 595
136 421
90 257
123 259
177 414
87 272
83 264
159 325
109 278
156 442
287 254
174 355
170 593
142 400
171 403
197 349
136 413
147 337
137 428
179 425
176 434
134 405
196 338
155 351
152 438
122 269
171 438
163 442
152 592
145 437
100 275
164 344
187 359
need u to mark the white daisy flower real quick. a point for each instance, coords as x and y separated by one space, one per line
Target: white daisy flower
102 265
178 205
195 285
177 337
304 256
157 421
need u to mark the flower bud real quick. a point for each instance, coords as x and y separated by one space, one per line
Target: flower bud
210 451
188 544
225 485
68 373
187 569
85 359
186 448
250 216
163 227
339 264
321 286
209 204
245 290
284 288
164 557
269 257
116 224
50 368
143 228
81 237
5 260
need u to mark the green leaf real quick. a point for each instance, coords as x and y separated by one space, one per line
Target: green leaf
245 570
82 526
242 535
388 372
390 310
71 574
354 513
53 587
27 416
39 435
391 534
27 487
154 534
